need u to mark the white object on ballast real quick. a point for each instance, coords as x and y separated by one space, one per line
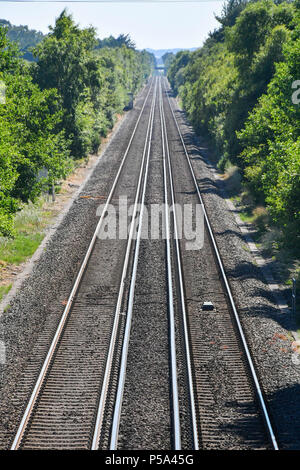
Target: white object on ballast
207 306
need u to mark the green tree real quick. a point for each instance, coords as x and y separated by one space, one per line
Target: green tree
66 61
23 36
271 142
167 59
237 89
59 106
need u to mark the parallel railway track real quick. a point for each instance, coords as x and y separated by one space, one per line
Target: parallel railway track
58 402
85 383
238 361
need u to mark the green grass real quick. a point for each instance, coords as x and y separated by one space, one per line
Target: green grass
32 218
246 216
236 199
28 224
17 250
4 290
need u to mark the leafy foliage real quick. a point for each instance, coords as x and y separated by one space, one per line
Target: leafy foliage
92 83
57 108
238 89
167 59
271 143
121 40
23 36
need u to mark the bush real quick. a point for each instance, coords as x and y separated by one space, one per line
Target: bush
233 179
261 218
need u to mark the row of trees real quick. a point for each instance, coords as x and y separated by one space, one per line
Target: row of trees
25 38
239 88
58 108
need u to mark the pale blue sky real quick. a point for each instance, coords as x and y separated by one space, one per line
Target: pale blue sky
154 25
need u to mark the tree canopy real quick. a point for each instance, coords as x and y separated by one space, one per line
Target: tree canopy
57 108
238 88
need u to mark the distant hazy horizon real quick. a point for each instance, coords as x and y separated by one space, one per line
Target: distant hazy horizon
151 25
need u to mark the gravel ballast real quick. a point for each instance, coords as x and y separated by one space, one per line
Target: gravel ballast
266 328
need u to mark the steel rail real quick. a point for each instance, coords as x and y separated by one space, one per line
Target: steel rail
29 408
125 345
182 293
175 399
229 292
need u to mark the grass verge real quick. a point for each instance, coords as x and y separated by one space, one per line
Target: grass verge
283 258
29 225
4 290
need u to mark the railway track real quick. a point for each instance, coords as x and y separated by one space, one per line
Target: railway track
252 427
135 362
61 410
